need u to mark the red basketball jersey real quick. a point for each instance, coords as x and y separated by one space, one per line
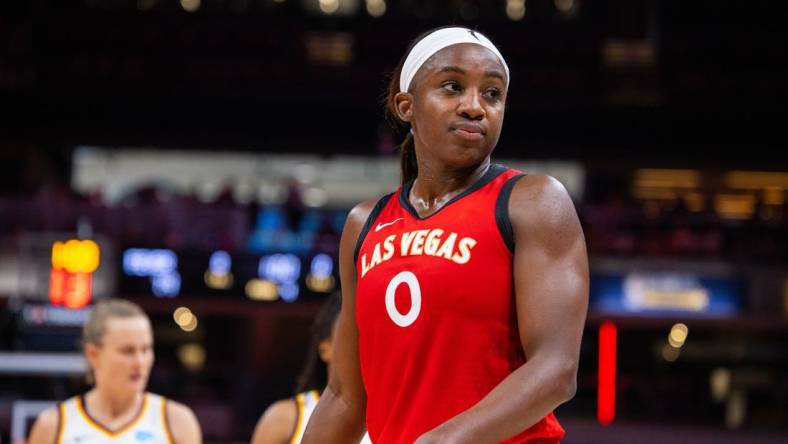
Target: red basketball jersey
435 310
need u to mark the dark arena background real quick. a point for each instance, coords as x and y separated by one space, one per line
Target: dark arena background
199 158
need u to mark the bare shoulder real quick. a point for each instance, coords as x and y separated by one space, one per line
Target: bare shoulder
183 423
546 192
45 428
360 213
277 423
282 410
540 202
353 225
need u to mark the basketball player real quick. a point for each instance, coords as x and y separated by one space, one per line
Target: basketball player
118 347
465 291
285 420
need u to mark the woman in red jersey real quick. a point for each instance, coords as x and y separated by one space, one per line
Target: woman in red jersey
465 291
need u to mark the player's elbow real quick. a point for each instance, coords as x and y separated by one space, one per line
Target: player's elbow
566 381
347 403
569 389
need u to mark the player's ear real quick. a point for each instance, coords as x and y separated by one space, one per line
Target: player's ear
91 351
403 104
325 350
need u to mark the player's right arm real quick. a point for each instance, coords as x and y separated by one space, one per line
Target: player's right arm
340 415
45 428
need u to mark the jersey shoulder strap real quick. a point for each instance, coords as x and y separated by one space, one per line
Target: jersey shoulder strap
305 405
373 215
502 211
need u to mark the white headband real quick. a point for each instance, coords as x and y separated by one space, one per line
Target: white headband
436 41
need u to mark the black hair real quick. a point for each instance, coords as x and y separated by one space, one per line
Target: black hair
314 374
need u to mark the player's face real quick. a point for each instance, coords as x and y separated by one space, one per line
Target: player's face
458 104
125 356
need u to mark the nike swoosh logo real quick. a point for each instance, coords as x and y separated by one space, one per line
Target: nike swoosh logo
382 226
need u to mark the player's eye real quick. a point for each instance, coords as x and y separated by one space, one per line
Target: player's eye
451 86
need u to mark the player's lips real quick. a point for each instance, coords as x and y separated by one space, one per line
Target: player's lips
469 130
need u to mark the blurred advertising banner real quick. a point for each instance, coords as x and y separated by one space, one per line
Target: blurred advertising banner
667 293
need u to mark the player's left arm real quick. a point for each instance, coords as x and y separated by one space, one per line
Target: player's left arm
183 424
551 293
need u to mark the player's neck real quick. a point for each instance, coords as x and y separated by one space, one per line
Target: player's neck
436 183
109 405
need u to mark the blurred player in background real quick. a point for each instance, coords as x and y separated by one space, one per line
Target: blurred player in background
118 347
465 291
284 421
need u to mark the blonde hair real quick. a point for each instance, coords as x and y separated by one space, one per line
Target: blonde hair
95 326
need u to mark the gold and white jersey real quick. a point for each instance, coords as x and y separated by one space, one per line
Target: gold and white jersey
306 403
149 426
